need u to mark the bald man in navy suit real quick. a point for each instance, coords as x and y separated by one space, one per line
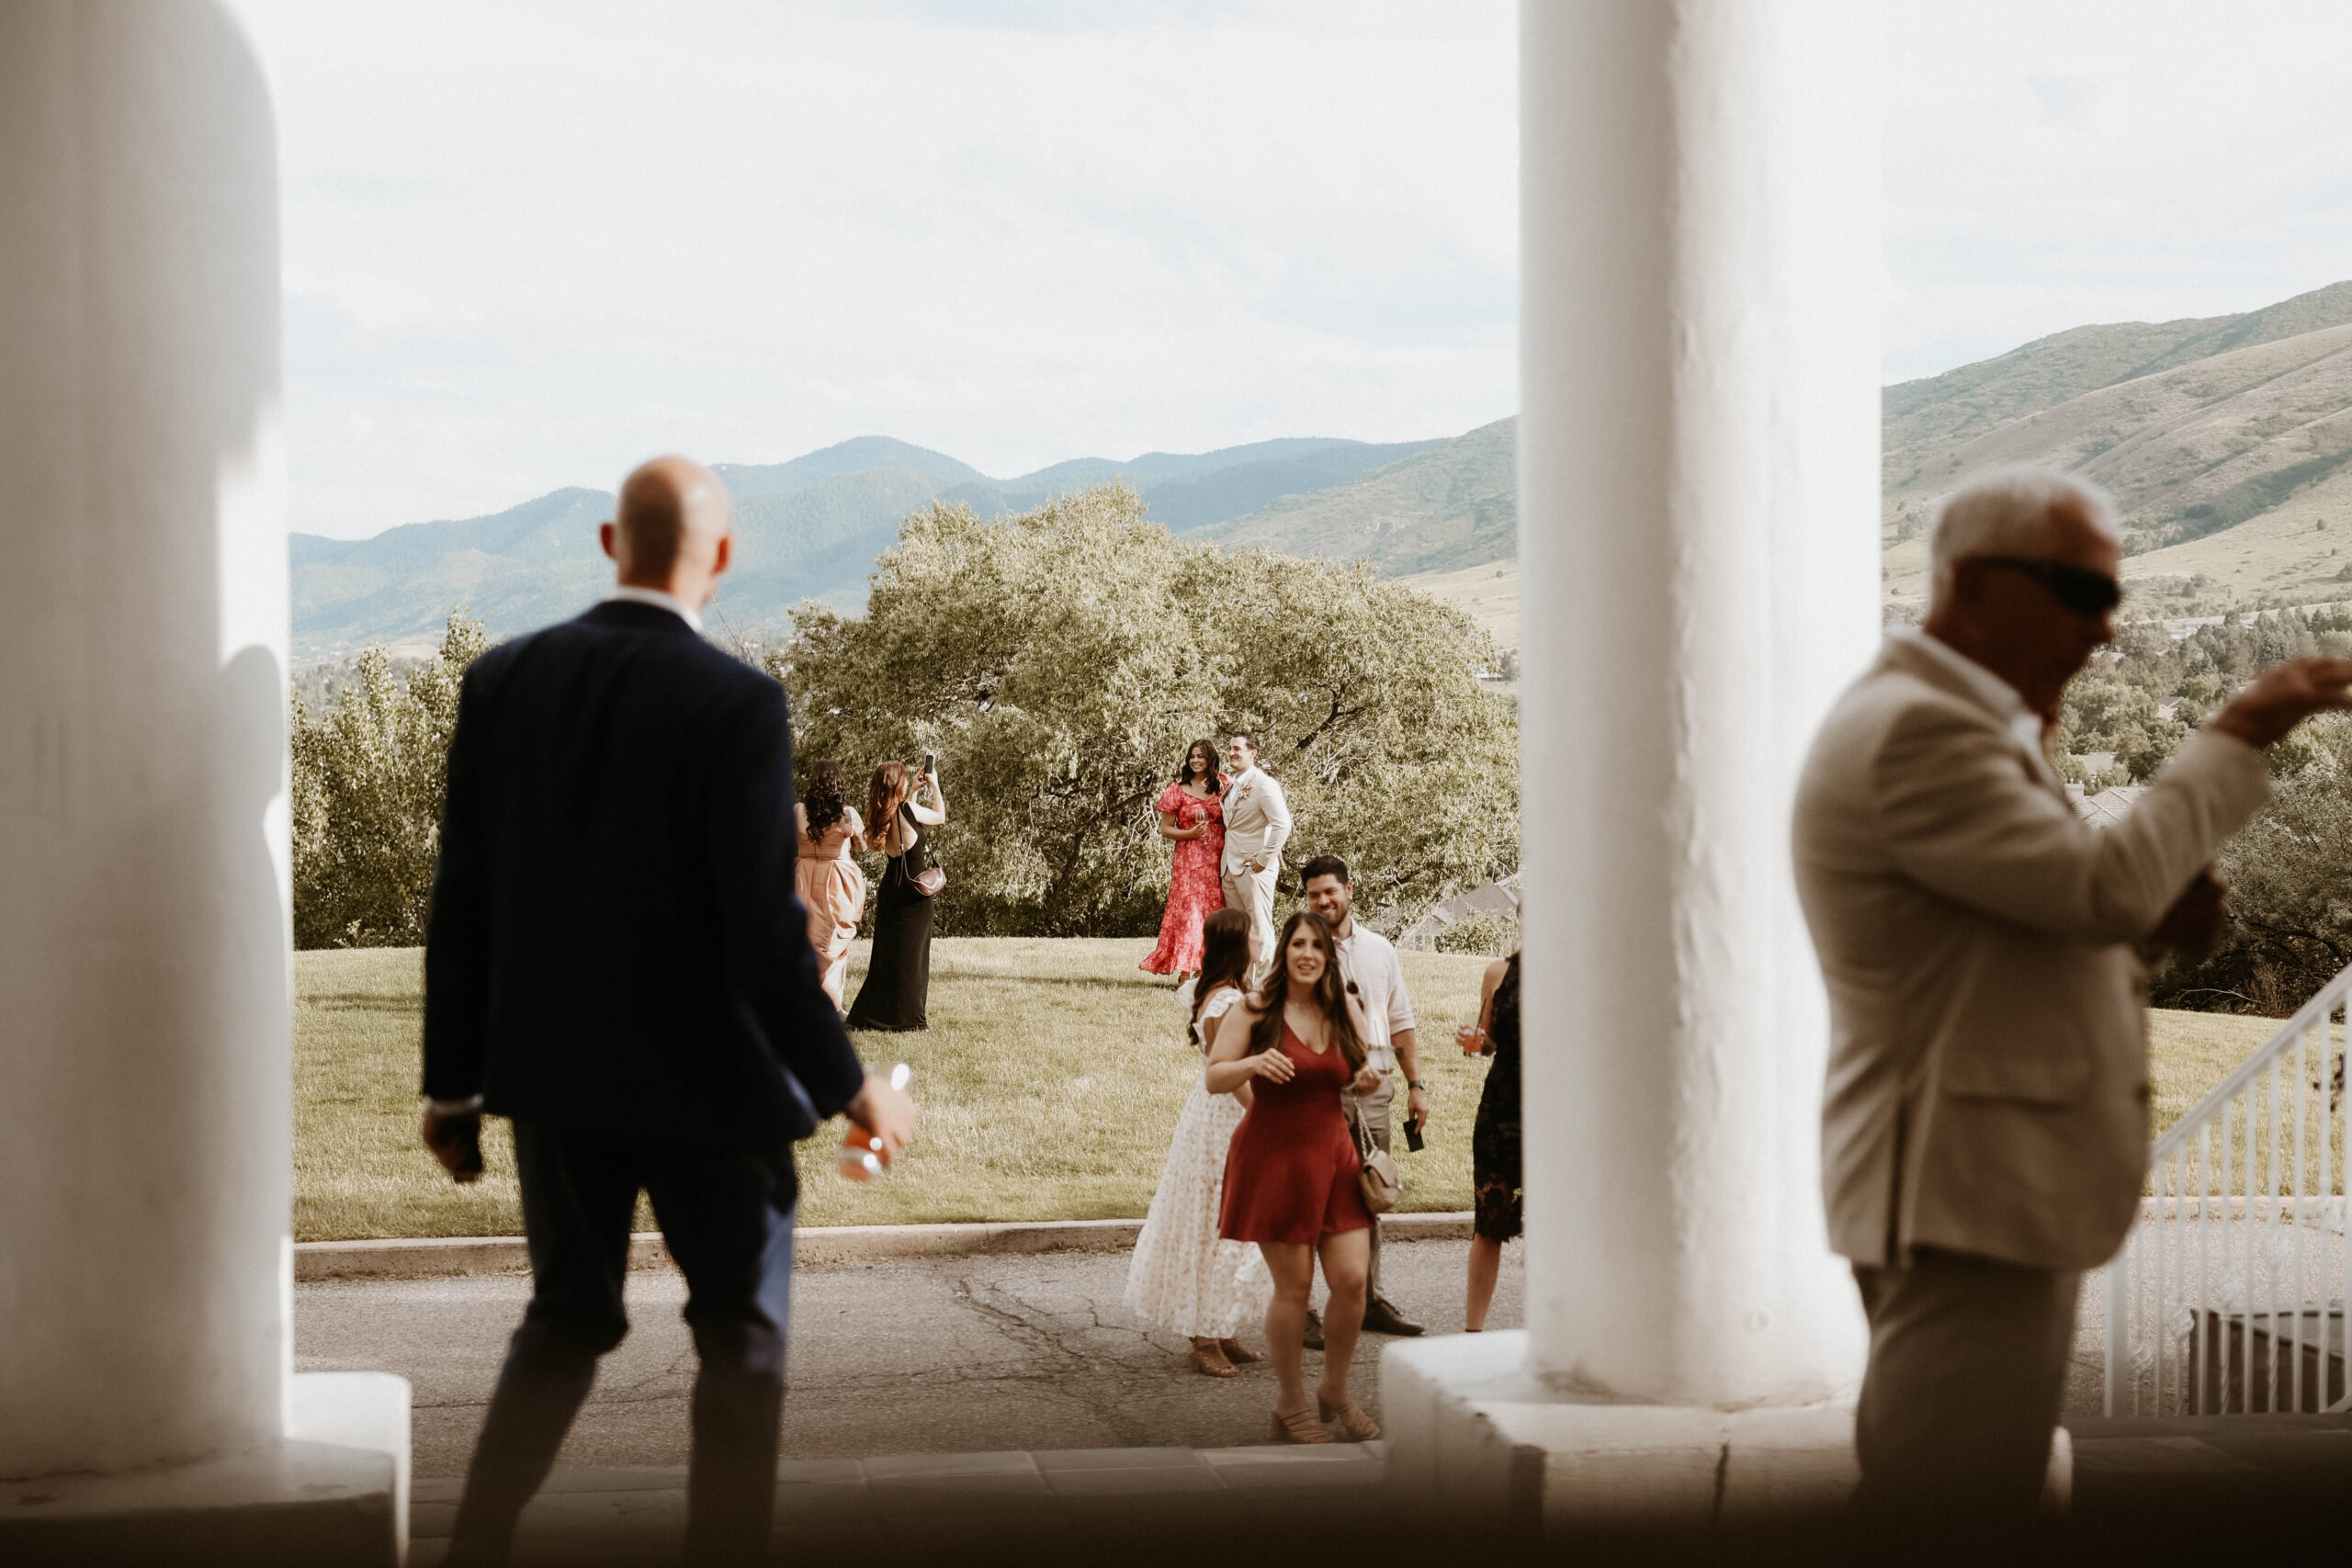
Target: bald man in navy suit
617 960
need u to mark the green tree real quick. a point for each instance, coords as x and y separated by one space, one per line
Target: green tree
369 777
2290 872
1059 662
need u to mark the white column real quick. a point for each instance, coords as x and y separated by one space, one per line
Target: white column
144 1056
1698 491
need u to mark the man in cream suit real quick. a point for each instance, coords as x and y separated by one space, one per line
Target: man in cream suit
1985 1127
1257 826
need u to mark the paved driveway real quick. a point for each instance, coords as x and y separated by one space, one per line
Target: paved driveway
936 1356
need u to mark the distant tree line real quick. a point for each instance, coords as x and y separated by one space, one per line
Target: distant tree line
1058 661
2119 703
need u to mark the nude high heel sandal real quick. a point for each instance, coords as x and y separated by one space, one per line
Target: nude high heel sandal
1240 1355
1209 1356
1358 1427
1299 1427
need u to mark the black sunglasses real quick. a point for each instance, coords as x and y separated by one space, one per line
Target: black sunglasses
2081 590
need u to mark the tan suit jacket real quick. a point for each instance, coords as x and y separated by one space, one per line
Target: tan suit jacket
1257 823
1988 1076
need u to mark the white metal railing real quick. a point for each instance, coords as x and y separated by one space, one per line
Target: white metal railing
2229 1294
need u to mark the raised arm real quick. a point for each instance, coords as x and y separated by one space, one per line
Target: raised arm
1488 985
930 815
1225 1005
1961 816
1230 1067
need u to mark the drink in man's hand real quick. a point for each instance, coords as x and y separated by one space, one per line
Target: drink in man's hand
863 1155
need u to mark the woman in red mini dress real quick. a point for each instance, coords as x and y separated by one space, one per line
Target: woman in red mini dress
1291 1171
1192 812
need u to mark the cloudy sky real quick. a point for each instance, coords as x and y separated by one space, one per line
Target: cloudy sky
529 242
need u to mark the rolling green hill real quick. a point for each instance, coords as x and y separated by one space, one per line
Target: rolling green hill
1453 505
2227 444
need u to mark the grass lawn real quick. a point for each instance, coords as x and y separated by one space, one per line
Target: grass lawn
1049 1083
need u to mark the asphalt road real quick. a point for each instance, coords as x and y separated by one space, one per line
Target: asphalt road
932 1356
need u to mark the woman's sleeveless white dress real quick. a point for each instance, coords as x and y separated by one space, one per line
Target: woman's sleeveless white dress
1184 1275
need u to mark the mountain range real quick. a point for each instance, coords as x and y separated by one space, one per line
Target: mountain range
811 529
2226 441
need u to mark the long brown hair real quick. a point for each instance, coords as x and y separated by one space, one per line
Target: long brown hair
1214 781
884 793
1330 994
1225 960
827 801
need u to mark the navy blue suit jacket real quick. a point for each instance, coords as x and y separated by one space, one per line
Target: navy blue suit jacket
615 941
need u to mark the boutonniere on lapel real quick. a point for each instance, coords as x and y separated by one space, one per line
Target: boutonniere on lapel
1243 793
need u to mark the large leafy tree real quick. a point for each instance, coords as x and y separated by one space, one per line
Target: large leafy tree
369 777
1060 661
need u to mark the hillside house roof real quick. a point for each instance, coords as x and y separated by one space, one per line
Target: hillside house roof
2110 806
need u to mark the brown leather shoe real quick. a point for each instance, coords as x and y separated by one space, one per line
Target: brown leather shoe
1209 1356
1239 1353
1314 1329
1381 1317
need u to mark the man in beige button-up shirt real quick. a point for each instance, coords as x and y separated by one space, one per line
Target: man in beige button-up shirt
1257 826
1985 1126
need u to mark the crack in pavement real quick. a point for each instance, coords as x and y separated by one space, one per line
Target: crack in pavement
1089 1390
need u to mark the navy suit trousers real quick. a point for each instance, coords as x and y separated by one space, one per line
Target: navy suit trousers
727 1218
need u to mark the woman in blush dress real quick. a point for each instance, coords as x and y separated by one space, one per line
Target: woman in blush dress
1192 812
1183 1275
1291 1178
832 885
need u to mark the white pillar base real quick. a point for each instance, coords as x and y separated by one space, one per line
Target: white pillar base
335 1490
1471 1431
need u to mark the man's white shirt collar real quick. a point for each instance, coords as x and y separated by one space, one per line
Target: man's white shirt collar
659 600
1995 692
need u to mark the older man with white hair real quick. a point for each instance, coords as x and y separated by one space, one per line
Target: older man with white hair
1985 1126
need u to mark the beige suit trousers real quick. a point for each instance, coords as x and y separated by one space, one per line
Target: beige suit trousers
1967 1374
1252 893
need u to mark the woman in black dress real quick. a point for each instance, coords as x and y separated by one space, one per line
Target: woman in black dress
897 993
1496 1189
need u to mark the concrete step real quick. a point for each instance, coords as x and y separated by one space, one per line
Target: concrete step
923 1502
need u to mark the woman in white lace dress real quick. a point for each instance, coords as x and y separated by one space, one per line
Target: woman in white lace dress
1184 1275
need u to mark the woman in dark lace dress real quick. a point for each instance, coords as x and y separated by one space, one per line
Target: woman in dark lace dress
897 993
1494 1137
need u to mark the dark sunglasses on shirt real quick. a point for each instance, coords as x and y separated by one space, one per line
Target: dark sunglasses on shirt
2081 590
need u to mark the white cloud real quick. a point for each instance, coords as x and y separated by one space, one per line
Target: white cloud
2050 165
527 244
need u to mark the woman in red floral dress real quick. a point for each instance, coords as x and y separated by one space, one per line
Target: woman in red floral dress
1192 812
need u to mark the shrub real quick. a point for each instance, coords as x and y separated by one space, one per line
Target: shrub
1493 934
369 776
